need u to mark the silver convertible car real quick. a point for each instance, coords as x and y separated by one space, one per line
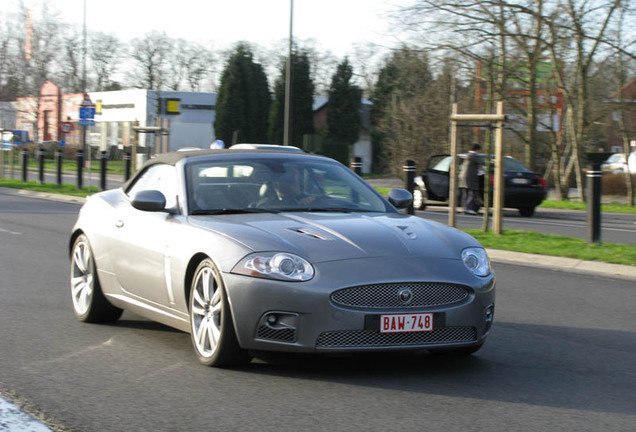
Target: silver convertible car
253 250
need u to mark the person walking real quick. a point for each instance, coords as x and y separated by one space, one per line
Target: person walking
469 181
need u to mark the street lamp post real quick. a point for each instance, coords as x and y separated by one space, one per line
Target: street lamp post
288 80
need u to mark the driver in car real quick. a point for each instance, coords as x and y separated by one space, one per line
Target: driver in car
288 192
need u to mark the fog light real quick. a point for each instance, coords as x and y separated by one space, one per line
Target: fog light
489 316
272 319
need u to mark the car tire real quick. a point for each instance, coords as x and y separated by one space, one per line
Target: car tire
419 200
457 352
526 211
89 302
211 327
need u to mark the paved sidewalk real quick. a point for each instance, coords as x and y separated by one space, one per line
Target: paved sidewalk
13 419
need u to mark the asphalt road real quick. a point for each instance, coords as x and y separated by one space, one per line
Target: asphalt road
615 227
560 357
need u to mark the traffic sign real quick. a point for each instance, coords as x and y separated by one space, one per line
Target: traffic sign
87 101
86 122
66 127
87 112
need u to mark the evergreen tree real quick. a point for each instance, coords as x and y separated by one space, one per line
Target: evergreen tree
343 115
243 101
302 114
403 81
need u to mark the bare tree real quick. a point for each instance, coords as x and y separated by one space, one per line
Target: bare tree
104 51
45 48
577 31
189 64
365 61
71 63
149 56
621 111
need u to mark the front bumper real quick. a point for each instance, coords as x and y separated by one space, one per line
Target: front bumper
338 310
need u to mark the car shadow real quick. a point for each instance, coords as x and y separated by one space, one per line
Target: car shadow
552 366
561 367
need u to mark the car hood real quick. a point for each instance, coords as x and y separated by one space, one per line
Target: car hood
322 237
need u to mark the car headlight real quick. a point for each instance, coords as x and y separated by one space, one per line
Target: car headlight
476 260
275 265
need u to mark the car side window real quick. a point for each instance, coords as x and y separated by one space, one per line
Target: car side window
439 163
162 178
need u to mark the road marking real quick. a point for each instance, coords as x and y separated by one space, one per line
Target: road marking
10 232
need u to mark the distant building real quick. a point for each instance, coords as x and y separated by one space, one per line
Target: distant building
191 116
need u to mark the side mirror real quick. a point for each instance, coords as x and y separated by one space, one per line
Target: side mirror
149 200
400 198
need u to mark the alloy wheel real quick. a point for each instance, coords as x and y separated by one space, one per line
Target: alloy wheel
82 277
206 312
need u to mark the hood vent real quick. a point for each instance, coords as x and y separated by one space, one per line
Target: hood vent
408 231
310 233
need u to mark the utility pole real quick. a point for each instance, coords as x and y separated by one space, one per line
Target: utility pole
83 131
288 80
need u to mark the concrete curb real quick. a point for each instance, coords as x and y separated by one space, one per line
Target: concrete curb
50 196
572 265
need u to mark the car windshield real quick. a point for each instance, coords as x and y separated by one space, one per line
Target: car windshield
244 185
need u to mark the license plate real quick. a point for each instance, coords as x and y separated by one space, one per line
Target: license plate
519 181
403 323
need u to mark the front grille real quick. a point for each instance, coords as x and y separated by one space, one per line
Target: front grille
373 338
383 296
276 334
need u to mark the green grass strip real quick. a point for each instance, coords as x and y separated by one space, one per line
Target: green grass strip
65 189
556 245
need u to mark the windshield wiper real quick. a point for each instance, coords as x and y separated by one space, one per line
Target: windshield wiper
230 211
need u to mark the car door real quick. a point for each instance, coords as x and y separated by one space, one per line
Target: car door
436 177
140 247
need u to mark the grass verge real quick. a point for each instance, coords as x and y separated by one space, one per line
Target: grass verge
576 205
556 245
65 189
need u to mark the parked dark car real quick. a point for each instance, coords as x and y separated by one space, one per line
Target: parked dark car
523 189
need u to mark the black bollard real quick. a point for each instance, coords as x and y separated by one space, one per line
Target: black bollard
127 165
59 167
409 169
41 165
103 163
356 165
25 159
594 190
80 166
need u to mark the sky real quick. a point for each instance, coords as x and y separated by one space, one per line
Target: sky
335 25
